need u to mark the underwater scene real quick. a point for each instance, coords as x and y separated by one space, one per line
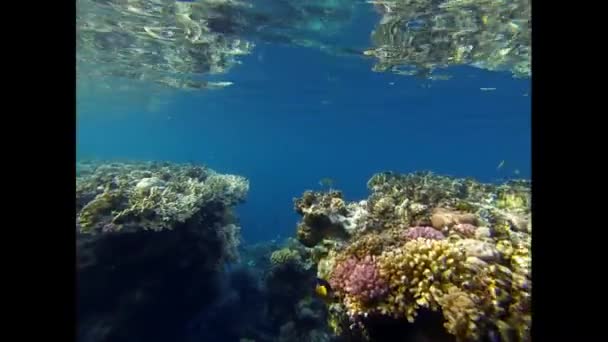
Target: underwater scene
303 170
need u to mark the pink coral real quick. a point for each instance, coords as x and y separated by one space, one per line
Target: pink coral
359 278
466 230
423 232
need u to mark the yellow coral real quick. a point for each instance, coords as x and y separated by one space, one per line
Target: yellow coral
100 206
337 204
461 313
284 255
326 265
478 284
336 320
402 211
512 201
369 244
436 274
385 205
505 248
419 272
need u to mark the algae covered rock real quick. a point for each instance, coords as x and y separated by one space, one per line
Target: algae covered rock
151 241
324 215
284 256
151 196
443 218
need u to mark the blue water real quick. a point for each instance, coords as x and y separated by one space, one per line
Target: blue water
296 115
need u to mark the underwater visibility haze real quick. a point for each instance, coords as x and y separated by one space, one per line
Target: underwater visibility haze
310 170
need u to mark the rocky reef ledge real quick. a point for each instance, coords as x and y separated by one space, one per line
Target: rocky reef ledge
152 237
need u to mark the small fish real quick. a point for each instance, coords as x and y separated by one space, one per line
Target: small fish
326 182
487 89
514 27
218 85
323 289
439 77
500 165
516 172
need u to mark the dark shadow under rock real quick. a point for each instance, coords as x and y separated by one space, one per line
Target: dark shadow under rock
143 286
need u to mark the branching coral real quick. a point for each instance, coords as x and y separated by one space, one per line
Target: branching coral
419 272
384 205
360 280
160 226
461 313
420 187
325 215
513 198
423 232
463 257
435 274
369 244
152 196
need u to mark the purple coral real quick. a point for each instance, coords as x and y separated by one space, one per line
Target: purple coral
359 278
423 232
466 230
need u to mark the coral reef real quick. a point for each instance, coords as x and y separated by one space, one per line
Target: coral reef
360 279
443 218
414 233
427 246
465 230
285 255
287 310
152 196
461 313
417 272
325 215
152 240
